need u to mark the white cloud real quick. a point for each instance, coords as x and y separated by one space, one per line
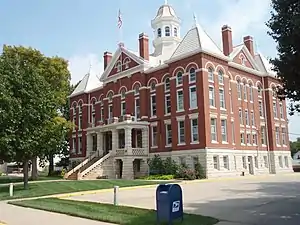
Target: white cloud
79 65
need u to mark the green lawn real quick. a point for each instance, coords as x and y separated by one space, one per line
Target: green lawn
107 213
60 187
15 179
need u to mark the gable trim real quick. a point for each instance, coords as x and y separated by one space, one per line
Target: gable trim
248 55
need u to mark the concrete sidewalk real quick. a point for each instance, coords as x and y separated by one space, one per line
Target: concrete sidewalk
14 215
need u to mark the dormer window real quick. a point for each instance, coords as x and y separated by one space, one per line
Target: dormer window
175 32
119 66
126 63
159 32
167 31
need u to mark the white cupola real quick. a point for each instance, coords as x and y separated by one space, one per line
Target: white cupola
166 27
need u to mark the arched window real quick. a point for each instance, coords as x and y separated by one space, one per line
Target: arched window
239 89
259 90
110 95
179 78
136 89
119 66
245 91
167 31
210 74
221 77
80 108
123 93
167 84
175 32
159 32
152 86
192 75
250 92
126 63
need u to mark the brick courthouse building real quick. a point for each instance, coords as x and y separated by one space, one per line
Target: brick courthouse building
189 100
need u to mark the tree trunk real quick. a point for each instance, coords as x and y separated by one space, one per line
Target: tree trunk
51 165
25 174
34 172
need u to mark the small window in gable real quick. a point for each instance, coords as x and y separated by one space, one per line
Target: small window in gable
192 75
167 84
175 32
119 66
126 63
179 78
159 32
243 59
123 94
136 89
221 77
167 31
153 86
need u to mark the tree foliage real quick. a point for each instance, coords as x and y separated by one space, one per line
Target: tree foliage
285 29
295 146
33 88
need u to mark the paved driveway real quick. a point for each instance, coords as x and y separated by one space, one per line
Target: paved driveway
273 200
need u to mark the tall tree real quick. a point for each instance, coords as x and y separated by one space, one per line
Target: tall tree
33 87
285 30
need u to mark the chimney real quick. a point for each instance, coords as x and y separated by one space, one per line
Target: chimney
144 46
107 57
248 41
227 40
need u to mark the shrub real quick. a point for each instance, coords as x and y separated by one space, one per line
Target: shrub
63 172
200 173
185 173
159 177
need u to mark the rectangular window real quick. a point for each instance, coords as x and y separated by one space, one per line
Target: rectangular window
222 98
102 114
247 117
226 162
181 135
180 105
137 108
74 145
252 119
153 105
93 119
244 162
248 139
281 111
232 132
154 136
277 135
224 130
168 134
245 92
242 138
123 108
241 116
211 96
254 139
79 145
193 97
110 111
239 89
195 135
256 161
167 104
251 93
80 122
213 129
283 135
263 135
275 109
266 161
286 161
216 162
261 109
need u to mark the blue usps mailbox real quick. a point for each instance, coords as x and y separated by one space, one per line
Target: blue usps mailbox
169 204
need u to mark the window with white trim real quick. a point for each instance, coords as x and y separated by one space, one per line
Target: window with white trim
216 162
137 108
239 89
180 104
275 110
222 98
213 129
277 135
247 117
167 31
244 162
211 74
254 139
283 135
93 114
153 105
250 93
245 92
193 97
80 122
256 161
137 89
123 108
192 75
241 117
242 138
110 96
159 32
266 163
179 78
167 104
259 91
175 32
281 111
79 145
80 108
110 111
211 96
119 66
224 130
167 84
226 162
73 145
248 139
126 63
261 109
221 77
252 119
194 130
102 113
181 133
154 136
263 135
168 134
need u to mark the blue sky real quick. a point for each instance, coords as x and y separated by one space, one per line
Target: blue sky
81 30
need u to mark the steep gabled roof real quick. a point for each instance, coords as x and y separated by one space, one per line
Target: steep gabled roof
89 82
196 39
264 65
